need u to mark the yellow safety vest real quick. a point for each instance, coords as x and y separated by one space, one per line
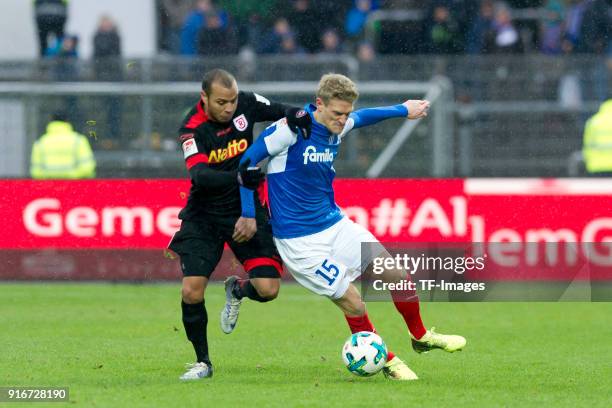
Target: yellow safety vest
62 153
597 148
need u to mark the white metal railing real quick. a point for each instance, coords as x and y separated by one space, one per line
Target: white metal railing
439 92
469 115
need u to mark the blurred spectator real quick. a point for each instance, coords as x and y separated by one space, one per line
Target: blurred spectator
173 14
573 24
250 18
595 38
587 30
331 14
465 12
289 46
525 3
331 42
107 50
505 38
64 48
108 67
51 17
63 58
594 33
216 37
368 68
366 52
597 145
552 27
271 42
481 29
442 35
62 153
358 15
304 18
195 21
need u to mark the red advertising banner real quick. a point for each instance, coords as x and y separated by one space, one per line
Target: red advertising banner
131 215
480 210
127 214
143 213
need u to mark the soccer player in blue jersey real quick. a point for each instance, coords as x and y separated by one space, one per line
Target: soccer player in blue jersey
319 245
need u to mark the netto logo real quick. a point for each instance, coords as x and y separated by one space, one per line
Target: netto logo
233 149
311 154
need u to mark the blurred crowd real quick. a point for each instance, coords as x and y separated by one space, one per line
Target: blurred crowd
294 27
297 27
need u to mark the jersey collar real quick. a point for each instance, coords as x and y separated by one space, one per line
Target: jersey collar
318 128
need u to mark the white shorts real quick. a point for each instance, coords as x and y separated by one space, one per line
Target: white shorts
328 261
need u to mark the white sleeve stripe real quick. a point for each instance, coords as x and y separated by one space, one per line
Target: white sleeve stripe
279 140
278 163
262 99
348 126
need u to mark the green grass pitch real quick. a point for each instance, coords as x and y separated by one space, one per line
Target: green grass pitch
124 346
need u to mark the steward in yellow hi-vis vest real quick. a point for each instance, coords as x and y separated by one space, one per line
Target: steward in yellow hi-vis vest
62 153
597 148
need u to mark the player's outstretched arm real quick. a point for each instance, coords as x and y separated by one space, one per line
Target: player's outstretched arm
412 109
417 108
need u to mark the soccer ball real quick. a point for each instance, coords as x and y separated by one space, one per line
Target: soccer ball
364 353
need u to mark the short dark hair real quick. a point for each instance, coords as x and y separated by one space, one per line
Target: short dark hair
221 76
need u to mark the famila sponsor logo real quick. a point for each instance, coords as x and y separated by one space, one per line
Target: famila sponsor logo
311 154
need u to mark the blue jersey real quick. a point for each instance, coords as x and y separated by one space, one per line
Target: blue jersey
301 172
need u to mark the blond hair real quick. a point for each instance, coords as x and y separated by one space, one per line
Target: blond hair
336 86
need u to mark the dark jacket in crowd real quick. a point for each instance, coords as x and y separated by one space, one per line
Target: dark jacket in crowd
107 52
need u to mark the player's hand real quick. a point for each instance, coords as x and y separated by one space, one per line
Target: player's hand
416 108
244 229
299 121
250 177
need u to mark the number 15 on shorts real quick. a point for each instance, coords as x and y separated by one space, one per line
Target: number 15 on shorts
329 273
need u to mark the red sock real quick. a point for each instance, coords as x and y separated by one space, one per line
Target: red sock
363 323
410 311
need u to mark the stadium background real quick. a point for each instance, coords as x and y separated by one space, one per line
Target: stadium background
502 146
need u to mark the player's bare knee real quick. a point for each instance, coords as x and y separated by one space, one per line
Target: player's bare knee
193 290
268 294
191 295
268 288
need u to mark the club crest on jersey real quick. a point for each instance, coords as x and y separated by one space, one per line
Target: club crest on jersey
241 123
311 154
